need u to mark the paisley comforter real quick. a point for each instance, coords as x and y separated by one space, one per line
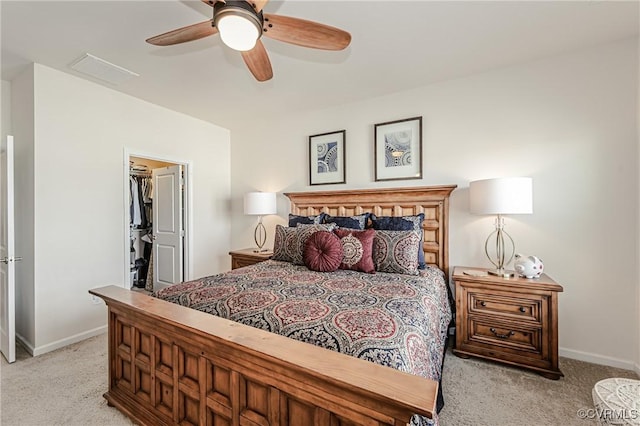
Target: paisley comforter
395 320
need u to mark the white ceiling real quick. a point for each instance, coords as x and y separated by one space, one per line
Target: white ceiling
396 45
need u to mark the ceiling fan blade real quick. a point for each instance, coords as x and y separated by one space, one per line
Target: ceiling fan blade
181 35
258 5
305 33
258 62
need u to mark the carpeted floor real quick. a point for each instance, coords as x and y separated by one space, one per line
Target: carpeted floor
483 393
65 387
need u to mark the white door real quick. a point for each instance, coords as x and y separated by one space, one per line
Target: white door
7 255
167 226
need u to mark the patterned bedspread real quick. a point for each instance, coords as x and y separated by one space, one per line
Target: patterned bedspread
395 320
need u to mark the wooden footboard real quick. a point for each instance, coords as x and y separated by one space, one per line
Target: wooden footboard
173 365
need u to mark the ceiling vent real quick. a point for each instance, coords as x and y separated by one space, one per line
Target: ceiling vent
102 70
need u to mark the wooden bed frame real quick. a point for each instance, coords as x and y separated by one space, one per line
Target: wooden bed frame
169 364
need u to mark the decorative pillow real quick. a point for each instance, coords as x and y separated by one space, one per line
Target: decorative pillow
357 247
351 222
402 223
322 252
397 251
289 241
285 244
294 220
304 231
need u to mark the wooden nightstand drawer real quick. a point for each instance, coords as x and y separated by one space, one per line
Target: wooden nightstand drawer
505 337
247 257
508 307
241 262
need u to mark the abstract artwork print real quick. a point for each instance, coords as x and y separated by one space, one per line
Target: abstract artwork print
327 157
397 148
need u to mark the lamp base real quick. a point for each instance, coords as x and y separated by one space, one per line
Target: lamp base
260 250
260 236
501 273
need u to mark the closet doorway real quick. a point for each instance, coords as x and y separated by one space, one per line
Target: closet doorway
156 231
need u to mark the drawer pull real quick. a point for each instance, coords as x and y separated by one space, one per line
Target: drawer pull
483 303
502 336
522 309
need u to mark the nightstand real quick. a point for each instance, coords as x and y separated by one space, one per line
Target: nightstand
246 257
510 320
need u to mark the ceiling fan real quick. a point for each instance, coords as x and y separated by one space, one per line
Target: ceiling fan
242 23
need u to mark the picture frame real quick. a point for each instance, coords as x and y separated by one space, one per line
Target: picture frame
398 149
327 158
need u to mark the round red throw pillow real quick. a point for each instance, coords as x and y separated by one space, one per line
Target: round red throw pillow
322 252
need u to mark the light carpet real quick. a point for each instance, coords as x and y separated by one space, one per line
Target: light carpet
65 387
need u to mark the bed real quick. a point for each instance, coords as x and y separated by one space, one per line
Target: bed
170 364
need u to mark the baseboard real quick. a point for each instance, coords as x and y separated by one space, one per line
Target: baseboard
599 359
25 344
637 369
67 341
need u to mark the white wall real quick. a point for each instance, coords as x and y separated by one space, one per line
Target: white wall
81 132
567 121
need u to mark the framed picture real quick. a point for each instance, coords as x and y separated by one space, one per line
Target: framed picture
398 149
327 158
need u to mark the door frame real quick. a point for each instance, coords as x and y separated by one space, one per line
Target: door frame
187 169
10 255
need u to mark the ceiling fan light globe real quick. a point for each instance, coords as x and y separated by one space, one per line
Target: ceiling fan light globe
237 32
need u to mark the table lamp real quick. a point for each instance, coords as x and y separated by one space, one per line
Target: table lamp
501 196
260 204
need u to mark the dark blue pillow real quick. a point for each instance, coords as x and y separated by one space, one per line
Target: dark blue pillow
294 220
402 223
351 222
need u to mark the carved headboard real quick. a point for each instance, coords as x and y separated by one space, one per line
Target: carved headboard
433 201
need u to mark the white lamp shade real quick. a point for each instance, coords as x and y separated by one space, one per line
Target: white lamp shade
260 203
513 195
237 32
